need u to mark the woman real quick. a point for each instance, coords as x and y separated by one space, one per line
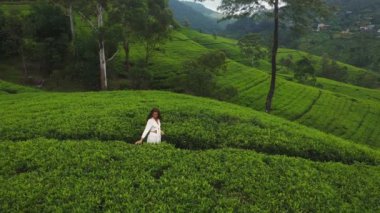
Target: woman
153 128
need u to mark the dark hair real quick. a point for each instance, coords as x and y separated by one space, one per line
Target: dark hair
153 111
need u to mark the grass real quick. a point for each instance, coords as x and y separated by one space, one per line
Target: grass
93 176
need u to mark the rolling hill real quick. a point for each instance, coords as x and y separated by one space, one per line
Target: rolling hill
79 116
343 110
56 148
311 106
72 151
352 35
232 50
197 17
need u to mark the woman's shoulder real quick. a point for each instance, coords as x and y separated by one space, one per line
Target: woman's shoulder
150 120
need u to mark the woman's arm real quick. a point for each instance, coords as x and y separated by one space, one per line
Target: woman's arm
147 129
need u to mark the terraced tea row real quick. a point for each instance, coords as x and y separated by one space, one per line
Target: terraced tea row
88 176
293 101
341 115
191 123
9 88
232 50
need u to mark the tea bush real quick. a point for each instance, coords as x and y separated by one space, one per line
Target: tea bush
9 88
189 122
42 175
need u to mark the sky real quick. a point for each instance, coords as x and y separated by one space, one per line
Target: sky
212 4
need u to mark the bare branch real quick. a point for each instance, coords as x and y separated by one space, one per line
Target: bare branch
88 20
113 56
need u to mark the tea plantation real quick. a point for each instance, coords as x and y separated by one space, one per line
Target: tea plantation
190 123
9 88
354 116
93 176
73 152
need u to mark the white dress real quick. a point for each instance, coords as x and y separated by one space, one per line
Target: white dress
153 130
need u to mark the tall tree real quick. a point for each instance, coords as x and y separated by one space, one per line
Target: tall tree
68 5
87 11
295 14
129 13
251 46
154 26
49 30
12 33
102 53
304 71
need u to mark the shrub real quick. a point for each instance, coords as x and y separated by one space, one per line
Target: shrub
139 76
330 69
198 76
304 71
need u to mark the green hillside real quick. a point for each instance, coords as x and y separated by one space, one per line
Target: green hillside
350 90
357 47
87 150
10 88
354 116
351 36
307 105
67 147
233 51
187 14
192 123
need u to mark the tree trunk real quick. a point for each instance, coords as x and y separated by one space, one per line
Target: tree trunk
70 14
126 50
103 66
102 54
26 74
147 53
268 106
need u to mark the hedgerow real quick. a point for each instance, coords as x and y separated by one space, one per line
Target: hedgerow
189 123
44 175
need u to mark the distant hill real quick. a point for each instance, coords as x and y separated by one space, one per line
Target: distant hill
198 16
348 13
202 9
352 35
360 6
